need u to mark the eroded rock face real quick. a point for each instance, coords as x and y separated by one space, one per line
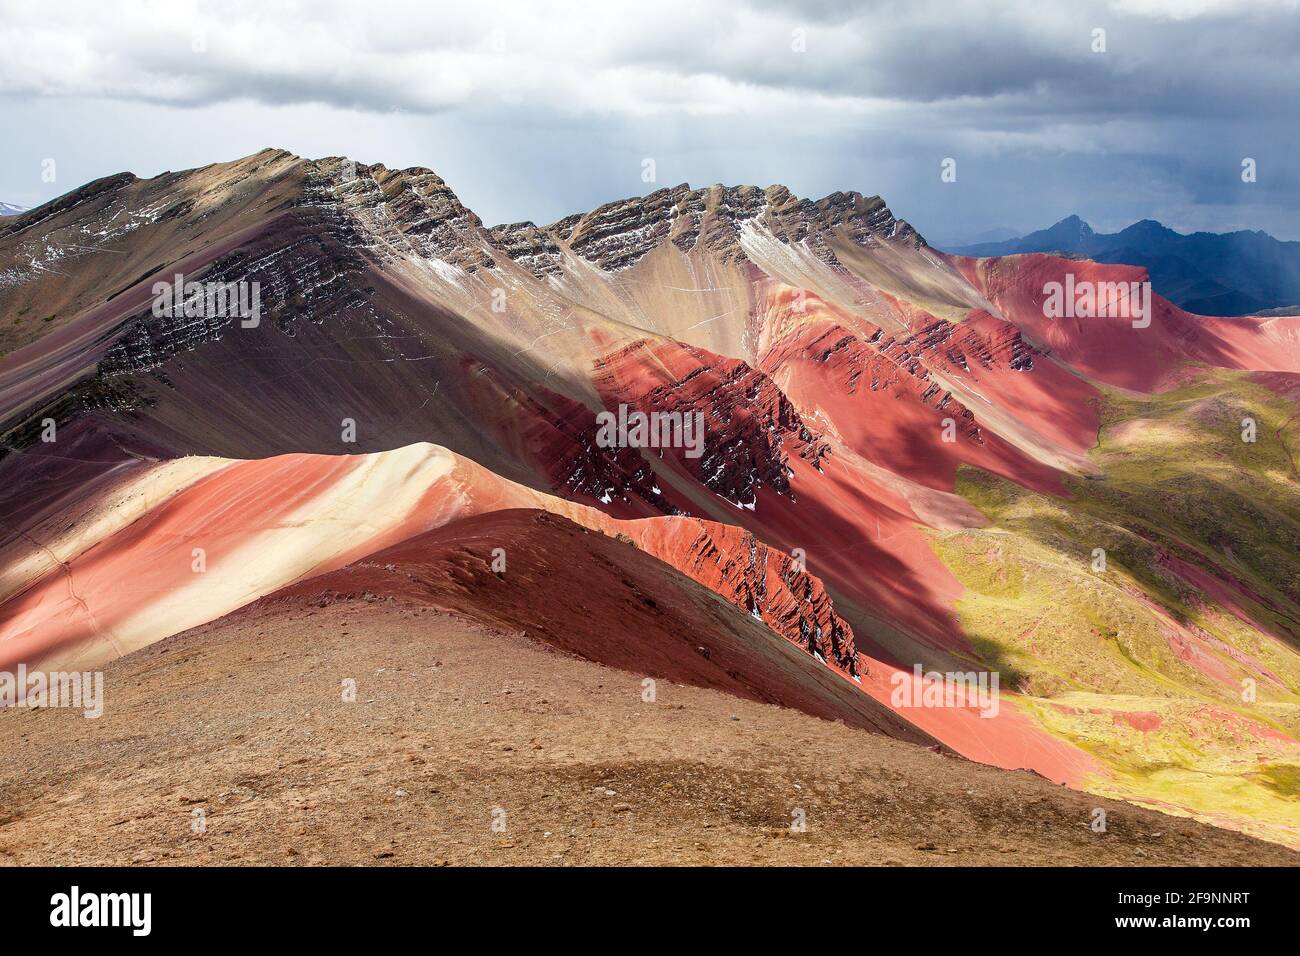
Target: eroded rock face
969 348
421 209
879 363
750 428
391 213
530 246
562 439
772 586
304 274
749 431
619 234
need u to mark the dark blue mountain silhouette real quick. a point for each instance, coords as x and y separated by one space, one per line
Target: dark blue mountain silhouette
1232 273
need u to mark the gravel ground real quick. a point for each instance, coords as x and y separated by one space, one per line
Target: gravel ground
232 744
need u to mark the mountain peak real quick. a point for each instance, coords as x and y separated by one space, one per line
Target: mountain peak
1147 228
1072 226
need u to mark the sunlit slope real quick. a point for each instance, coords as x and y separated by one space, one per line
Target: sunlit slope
1171 656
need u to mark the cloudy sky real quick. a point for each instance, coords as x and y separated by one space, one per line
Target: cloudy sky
533 110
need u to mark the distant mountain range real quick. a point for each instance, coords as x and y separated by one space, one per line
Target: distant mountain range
1234 273
8 209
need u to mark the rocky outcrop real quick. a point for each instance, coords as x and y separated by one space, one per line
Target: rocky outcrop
879 363
770 585
970 349
750 428
618 234
561 438
413 212
533 248
303 274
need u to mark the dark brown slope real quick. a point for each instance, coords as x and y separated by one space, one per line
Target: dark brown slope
605 600
243 720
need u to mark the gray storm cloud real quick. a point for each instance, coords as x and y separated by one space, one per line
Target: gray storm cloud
819 95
